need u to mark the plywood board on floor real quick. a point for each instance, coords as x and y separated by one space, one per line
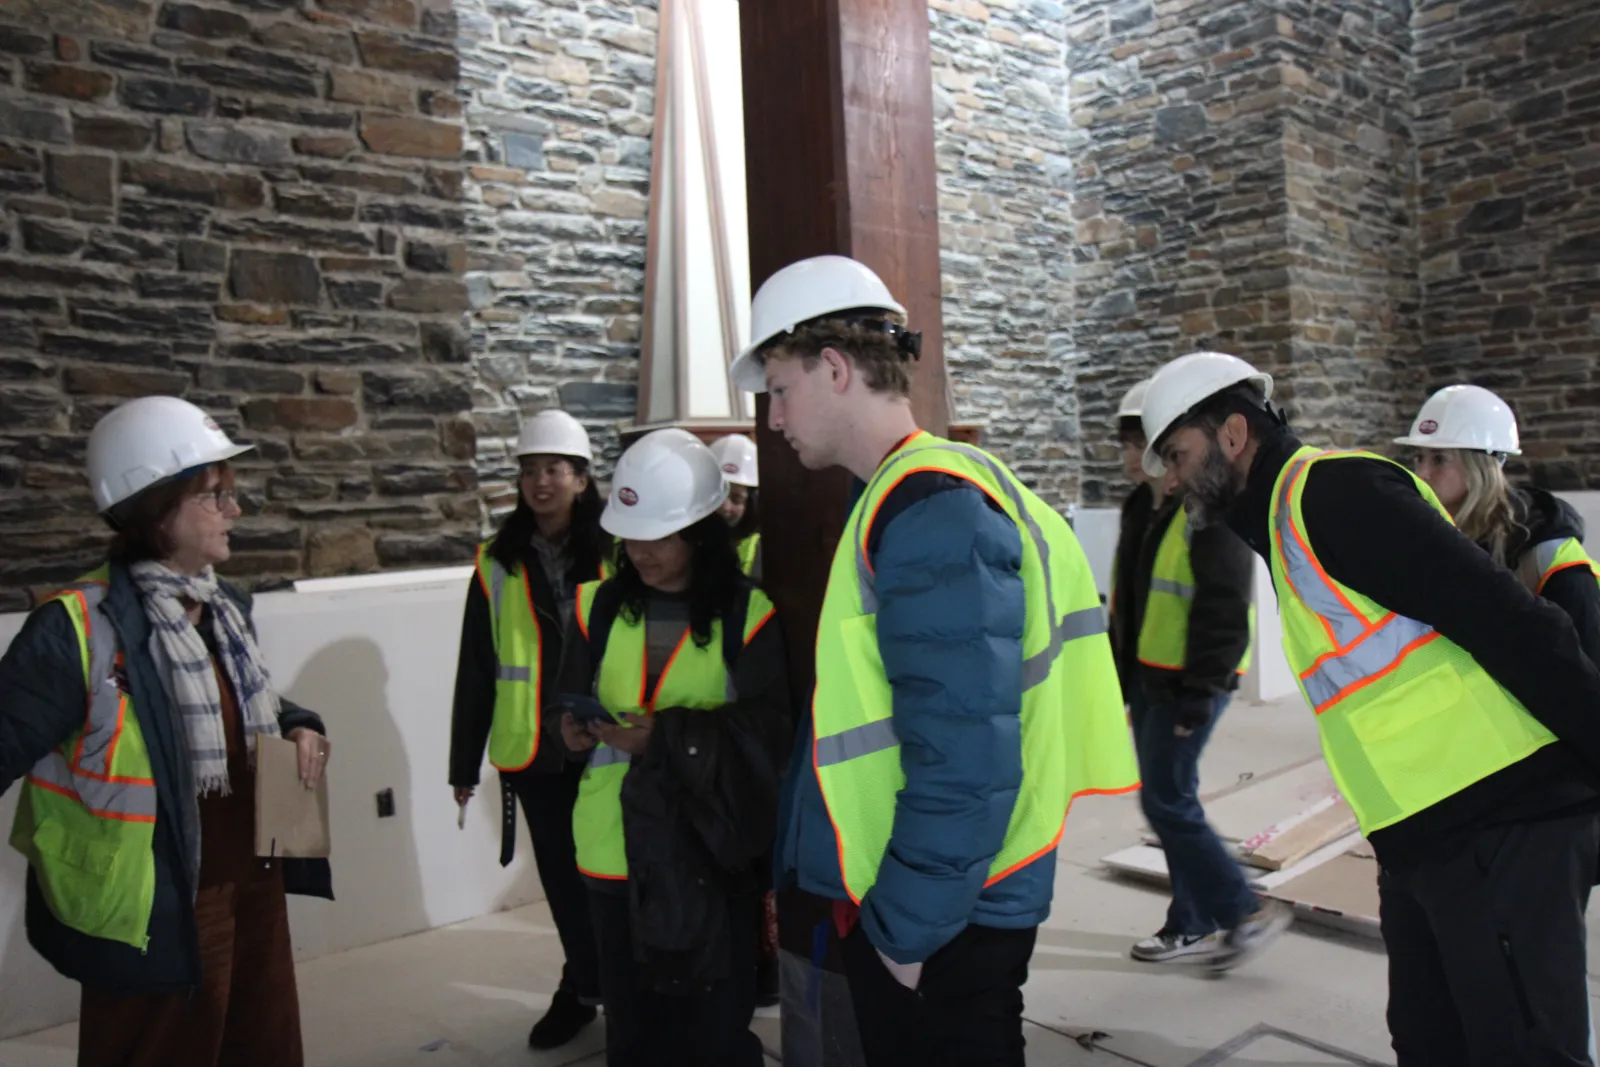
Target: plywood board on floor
1342 892
1260 805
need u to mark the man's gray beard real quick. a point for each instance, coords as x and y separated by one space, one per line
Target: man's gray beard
1213 491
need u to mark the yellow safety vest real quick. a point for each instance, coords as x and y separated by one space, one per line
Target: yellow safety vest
748 549
514 732
86 816
1406 717
693 677
1164 630
1075 738
1547 557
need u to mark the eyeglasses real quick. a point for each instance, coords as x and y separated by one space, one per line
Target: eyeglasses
218 499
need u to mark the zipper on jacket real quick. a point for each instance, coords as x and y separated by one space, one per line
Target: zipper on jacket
1516 982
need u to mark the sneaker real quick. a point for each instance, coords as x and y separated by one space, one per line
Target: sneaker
1167 947
564 1021
1252 936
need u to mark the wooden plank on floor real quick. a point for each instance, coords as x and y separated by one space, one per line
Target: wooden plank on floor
1329 820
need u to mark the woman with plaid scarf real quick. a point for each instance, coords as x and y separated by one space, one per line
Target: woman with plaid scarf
131 704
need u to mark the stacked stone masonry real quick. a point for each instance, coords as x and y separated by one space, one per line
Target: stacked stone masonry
1508 136
258 207
371 235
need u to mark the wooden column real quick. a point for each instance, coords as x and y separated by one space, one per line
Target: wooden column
839 158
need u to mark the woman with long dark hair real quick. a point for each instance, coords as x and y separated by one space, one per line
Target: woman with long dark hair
519 604
679 716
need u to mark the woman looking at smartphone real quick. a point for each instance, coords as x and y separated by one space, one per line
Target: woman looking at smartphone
683 752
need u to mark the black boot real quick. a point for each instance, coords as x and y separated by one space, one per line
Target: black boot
566 1018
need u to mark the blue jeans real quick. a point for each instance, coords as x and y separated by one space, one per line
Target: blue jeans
1208 889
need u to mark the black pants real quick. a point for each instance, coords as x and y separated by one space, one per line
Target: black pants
1487 949
547 803
649 1029
967 1011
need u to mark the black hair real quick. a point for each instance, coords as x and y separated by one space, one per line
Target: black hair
1241 398
1130 428
590 544
750 522
715 579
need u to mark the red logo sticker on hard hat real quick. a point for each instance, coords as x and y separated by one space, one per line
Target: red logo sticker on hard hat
1427 426
211 424
628 497
731 468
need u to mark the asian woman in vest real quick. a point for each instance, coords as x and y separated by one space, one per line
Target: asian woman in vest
737 454
679 713
1463 435
138 818
519 604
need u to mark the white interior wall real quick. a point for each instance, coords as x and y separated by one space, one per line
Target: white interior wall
377 660
376 657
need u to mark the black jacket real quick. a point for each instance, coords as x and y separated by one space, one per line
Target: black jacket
41 703
1545 517
1372 531
1219 614
473 712
699 811
1127 601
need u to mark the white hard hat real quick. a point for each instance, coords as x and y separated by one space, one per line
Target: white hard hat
666 482
737 455
554 433
799 293
1184 383
149 440
1465 416
1132 405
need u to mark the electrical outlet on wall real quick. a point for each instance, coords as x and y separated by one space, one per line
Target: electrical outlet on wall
385 803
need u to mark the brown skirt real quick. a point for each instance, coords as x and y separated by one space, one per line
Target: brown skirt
247 1009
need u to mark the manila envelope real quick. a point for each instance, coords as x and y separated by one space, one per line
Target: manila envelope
291 820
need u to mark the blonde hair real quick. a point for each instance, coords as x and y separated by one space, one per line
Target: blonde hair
1486 515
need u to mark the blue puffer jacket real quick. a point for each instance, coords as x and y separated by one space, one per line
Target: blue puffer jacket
948 568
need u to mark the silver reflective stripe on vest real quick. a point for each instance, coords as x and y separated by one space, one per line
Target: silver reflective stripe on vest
498 576
513 674
1545 552
85 776
1337 673
606 756
1175 588
856 742
1084 623
1303 574
1364 650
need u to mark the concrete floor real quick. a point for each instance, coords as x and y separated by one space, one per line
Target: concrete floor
465 996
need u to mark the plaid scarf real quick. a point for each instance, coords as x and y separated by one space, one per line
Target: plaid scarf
191 678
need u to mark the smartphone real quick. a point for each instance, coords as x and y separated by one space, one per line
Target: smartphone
586 710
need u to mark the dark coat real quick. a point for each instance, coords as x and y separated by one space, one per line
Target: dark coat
41 704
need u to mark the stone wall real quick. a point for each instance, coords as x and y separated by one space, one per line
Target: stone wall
560 105
255 206
1508 131
1179 198
1350 193
1000 115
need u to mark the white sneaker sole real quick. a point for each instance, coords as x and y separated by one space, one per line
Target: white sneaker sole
1227 957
